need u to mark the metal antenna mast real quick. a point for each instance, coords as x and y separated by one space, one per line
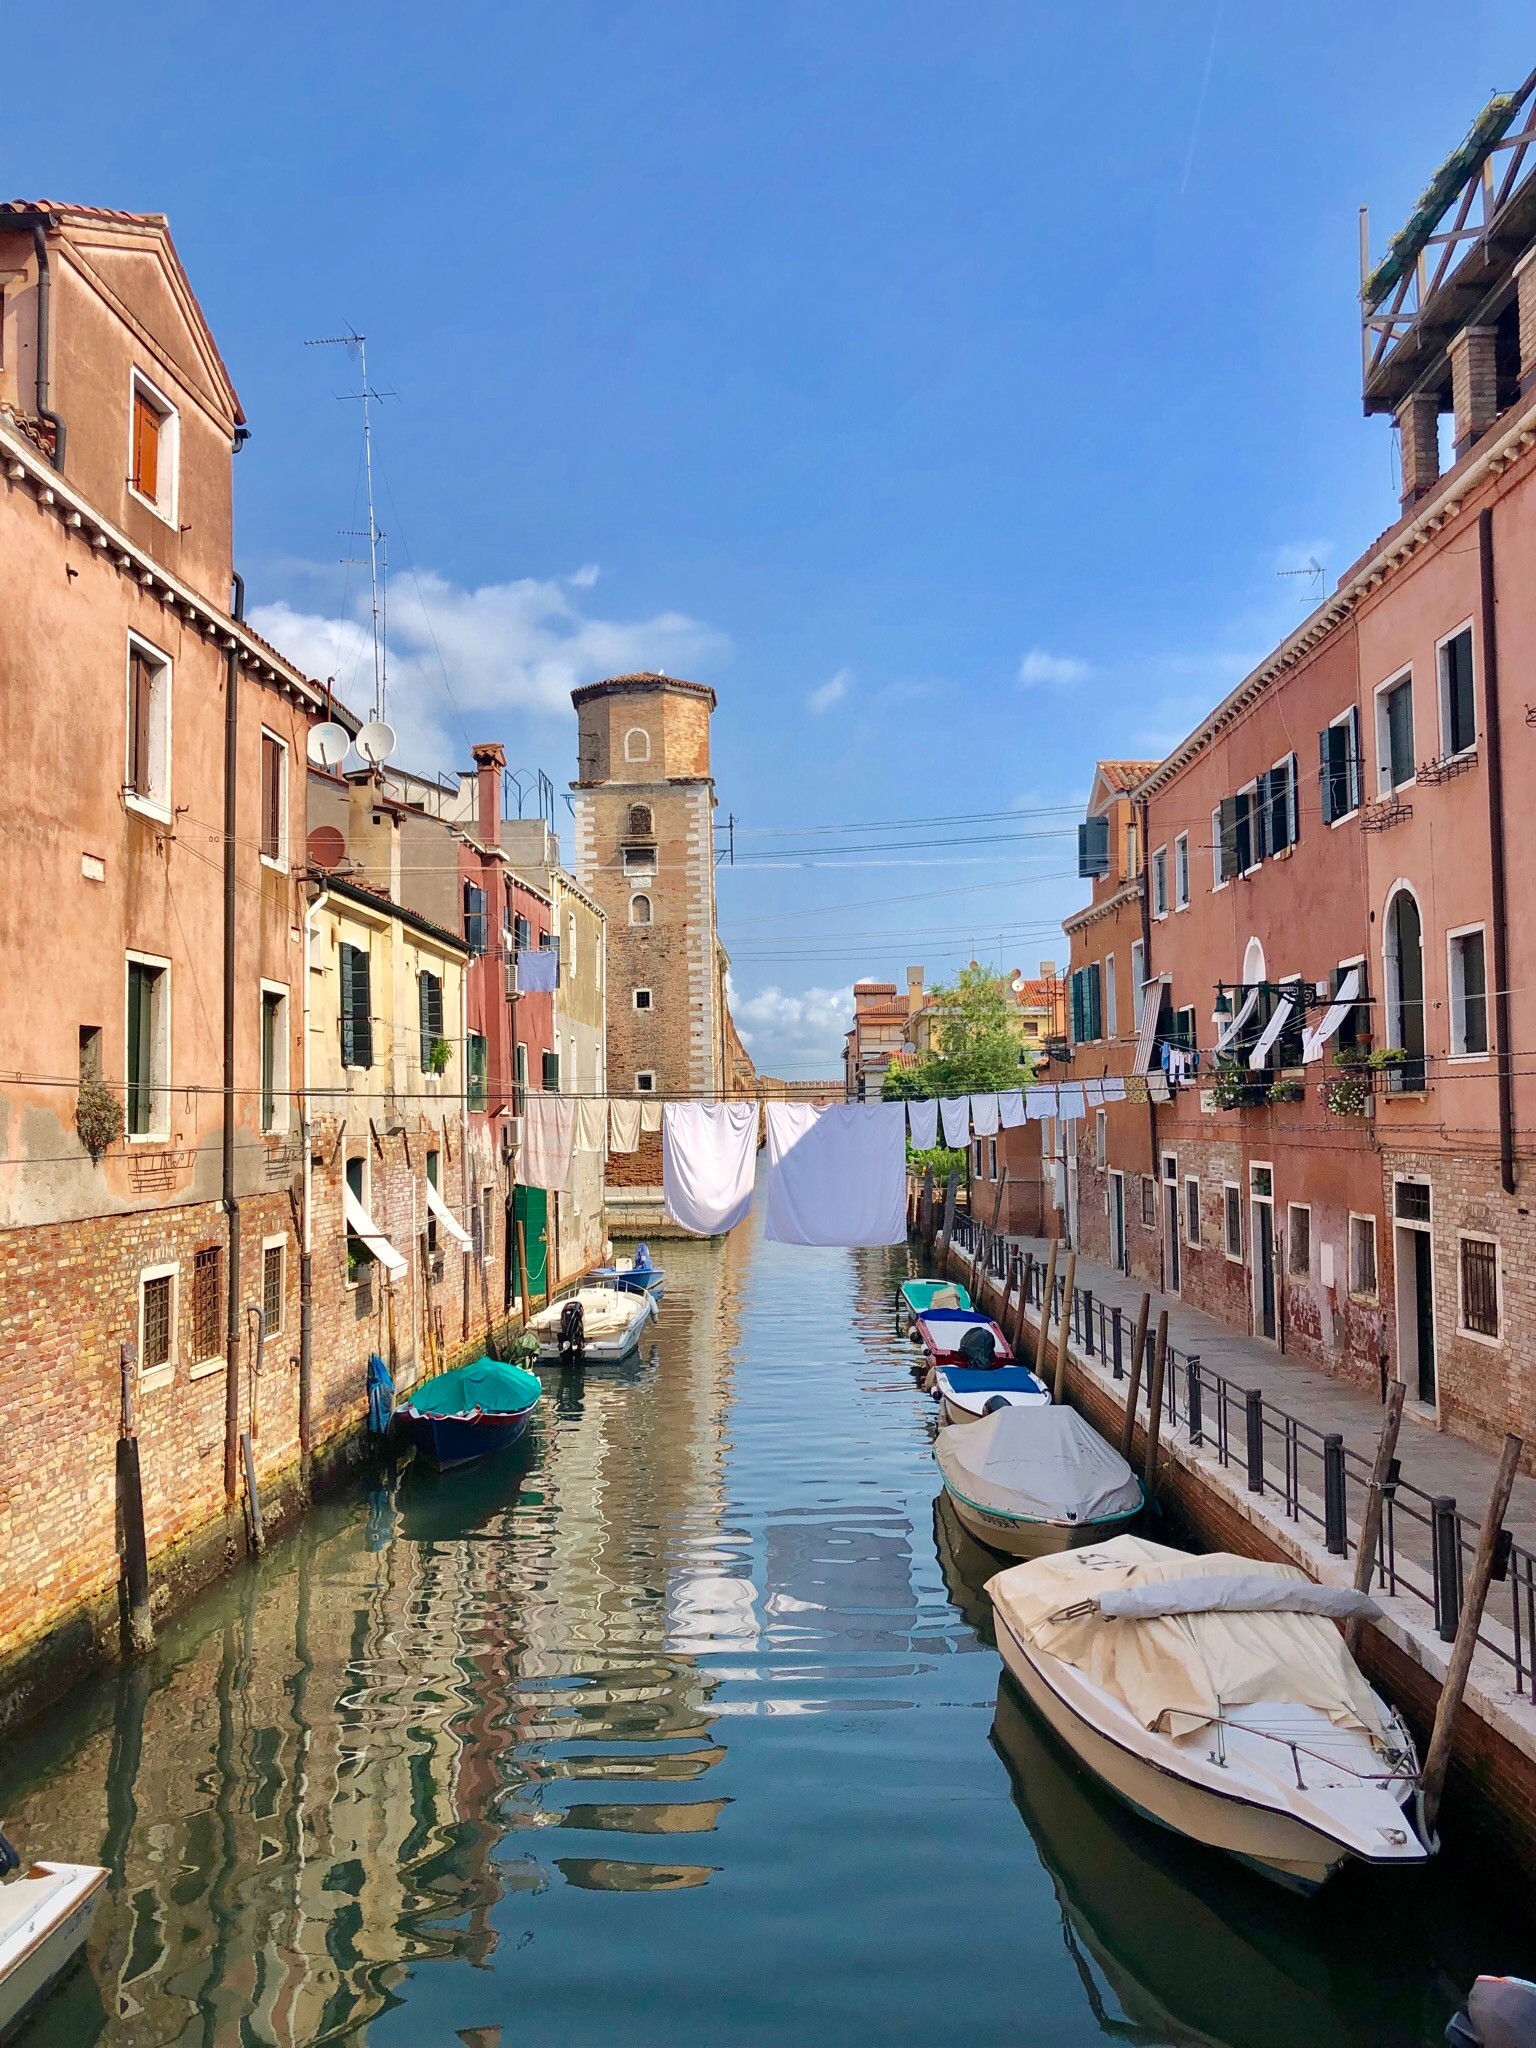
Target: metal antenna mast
357 344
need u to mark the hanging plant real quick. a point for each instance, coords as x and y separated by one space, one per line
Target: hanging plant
1233 1086
1387 1056
1347 1094
98 1117
439 1056
1287 1091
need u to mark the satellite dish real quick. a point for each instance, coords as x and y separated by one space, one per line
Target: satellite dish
326 847
328 744
376 742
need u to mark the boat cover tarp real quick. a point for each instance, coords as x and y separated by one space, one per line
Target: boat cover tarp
1042 1464
1249 1593
1176 1672
490 1386
996 1379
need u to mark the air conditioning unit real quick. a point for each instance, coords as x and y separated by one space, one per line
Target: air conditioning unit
511 1135
511 974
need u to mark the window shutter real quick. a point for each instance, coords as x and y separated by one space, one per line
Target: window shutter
474 917
1093 847
362 993
1292 802
1354 757
1228 816
1095 1001
1077 1006
140 690
1261 817
348 1039
146 447
1327 757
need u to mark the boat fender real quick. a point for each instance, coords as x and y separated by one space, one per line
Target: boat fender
994 1401
381 1396
573 1332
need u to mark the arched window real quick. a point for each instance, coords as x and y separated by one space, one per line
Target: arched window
1253 963
640 822
639 909
1403 947
637 744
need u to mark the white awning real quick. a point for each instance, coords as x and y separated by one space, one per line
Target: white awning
1151 1010
1313 1042
446 1217
1259 1057
361 1224
1237 1020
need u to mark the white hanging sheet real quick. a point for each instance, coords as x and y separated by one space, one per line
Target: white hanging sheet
1040 1102
1312 1042
1259 1057
837 1176
923 1121
708 1157
623 1126
1010 1109
1114 1090
446 1217
549 1137
984 1115
955 1112
591 1123
362 1225
1093 1094
1069 1099
1235 1022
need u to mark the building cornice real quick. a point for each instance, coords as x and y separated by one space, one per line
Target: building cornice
1093 913
386 910
26 468
1401 543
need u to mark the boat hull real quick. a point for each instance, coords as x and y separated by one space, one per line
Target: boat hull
951 1411
35 1955
1018 1537
1278 1844
447 1441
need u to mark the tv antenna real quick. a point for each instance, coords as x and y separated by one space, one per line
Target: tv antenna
357 345
1312 570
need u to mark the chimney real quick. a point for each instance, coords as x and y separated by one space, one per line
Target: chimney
914 990
1418 420
490 761
1474 385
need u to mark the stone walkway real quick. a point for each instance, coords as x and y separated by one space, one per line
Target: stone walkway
1431 1460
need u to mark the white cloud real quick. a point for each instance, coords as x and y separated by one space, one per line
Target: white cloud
584 577
504 648
797 1036
831 692
1040 670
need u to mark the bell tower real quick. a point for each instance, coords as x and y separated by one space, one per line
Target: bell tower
644 813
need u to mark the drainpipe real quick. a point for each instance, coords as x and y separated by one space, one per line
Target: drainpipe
307 1243
44 340
232 1335
1490 664
1146 951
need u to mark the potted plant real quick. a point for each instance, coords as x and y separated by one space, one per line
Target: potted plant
1387 1056
439 1056
98 1117
1233 1086
1348 1092
1286 1090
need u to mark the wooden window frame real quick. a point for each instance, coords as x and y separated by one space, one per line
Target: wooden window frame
1373 1292
1443 692
1456 999
275 994
274 807
154 799
1386 784
159 1083
1292 1211
143 391
1232 1209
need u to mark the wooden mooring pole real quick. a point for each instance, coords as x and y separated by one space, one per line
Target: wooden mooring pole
1064 1334
1047 1302
1375 1502
1155 1398
1437 1762
1133 1381
130 1504
947 1228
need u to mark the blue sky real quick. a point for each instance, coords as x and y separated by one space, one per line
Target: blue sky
948 385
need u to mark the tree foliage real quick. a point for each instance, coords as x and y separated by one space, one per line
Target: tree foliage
974 1044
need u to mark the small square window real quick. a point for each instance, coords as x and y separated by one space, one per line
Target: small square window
1299 1258
645 1082
642 999
1411 1201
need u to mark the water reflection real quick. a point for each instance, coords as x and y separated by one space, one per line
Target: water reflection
670 1728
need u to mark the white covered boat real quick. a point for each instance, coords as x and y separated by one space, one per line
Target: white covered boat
1215 1695
1033 1480
46 1913
613 1321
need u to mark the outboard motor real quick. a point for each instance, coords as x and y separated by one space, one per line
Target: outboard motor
993 1402
642 1262
573 1333
1500 2013
9 1860
977 1349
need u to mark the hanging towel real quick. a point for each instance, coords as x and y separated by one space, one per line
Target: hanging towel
1069 1100
708 1157
923 1119
623 1126
837 1176
1093 1094
650 1116
1114 1091
591 1123
549 1136
984 1115
1040 1102
1010 1109
538 972
955 1111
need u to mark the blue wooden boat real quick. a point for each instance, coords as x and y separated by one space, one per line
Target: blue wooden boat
469 1413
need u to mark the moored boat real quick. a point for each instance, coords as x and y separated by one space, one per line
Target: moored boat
46 1913
1215 1695
635 1275
469 1413
607 1325
965 1394
914 1297
1032 1481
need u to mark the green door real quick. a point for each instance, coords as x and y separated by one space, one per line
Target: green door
530 1208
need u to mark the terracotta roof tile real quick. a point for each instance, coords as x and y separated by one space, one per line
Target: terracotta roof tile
1122 776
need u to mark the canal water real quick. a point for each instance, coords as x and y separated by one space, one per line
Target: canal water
681 1729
